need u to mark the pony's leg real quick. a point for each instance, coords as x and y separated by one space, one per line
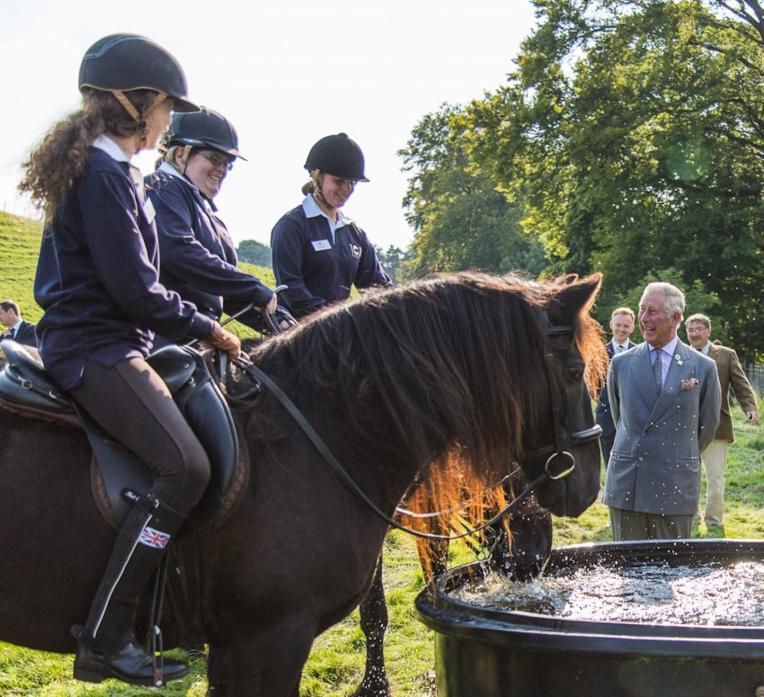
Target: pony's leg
267 663
373 611
218 670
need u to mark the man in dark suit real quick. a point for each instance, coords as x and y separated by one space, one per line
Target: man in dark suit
665 399
17 329
715 455
621 326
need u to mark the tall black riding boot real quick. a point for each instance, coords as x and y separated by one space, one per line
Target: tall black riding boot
107 646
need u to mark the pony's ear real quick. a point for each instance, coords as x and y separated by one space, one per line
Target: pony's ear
579 295
566 279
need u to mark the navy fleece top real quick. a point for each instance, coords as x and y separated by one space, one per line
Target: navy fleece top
198 255
97 276
317 269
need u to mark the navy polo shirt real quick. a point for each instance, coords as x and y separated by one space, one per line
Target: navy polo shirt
320 267
97 277
197 252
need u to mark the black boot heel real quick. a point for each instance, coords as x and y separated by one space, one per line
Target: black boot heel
128 663
88 674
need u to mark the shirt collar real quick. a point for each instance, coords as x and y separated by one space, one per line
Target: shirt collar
624 345
313 210
110 147
167 168
670 347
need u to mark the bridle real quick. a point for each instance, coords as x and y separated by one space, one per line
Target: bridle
563 439
559 463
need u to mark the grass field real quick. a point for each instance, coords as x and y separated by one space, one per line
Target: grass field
336 663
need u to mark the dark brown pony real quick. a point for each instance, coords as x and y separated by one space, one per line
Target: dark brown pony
392 383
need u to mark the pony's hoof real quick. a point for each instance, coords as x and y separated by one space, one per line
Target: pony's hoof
373 688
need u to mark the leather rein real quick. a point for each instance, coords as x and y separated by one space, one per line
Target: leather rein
553 470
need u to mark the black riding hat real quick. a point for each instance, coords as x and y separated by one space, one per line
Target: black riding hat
339 156
125 62
205 128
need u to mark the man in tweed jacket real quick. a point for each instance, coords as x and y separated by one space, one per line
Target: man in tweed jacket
730 375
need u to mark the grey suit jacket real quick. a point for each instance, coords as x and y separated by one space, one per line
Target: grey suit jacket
654 465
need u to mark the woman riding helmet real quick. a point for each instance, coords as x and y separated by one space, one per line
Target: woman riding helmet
98 284
318 252
198 255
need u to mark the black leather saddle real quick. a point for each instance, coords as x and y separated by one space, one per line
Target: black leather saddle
24 383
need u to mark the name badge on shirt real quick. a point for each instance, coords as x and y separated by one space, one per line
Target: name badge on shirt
321 245
148 210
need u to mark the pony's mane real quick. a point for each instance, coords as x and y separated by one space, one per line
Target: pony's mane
448 364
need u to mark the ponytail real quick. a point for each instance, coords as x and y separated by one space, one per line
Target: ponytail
314 185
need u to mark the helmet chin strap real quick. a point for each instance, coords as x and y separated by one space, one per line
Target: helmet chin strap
315 176
128 106
179 158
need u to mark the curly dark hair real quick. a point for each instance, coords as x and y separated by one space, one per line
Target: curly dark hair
57 162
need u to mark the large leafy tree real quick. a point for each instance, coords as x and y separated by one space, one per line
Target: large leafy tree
633 132
460 220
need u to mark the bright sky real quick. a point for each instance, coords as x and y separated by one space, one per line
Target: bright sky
284 73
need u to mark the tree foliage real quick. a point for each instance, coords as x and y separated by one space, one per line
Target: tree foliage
632 132
461 220
391 260
254 252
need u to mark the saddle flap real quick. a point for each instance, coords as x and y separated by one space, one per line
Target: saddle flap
25 380
206 411
174 364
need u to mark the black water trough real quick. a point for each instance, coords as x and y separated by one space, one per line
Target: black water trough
485 652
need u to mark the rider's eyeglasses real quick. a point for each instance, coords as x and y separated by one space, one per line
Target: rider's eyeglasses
218 161
340 181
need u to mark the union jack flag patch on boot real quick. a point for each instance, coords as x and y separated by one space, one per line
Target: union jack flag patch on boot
154 538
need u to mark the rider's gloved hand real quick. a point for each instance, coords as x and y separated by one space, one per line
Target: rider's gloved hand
224 340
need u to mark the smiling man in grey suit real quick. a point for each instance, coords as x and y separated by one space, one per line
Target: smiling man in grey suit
665 399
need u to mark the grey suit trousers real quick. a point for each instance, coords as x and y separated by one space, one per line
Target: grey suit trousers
635 525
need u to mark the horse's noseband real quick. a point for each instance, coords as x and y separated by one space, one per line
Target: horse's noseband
563 438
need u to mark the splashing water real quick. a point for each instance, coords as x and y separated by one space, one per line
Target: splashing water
711 593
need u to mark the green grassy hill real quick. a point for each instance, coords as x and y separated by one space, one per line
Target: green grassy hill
19 247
